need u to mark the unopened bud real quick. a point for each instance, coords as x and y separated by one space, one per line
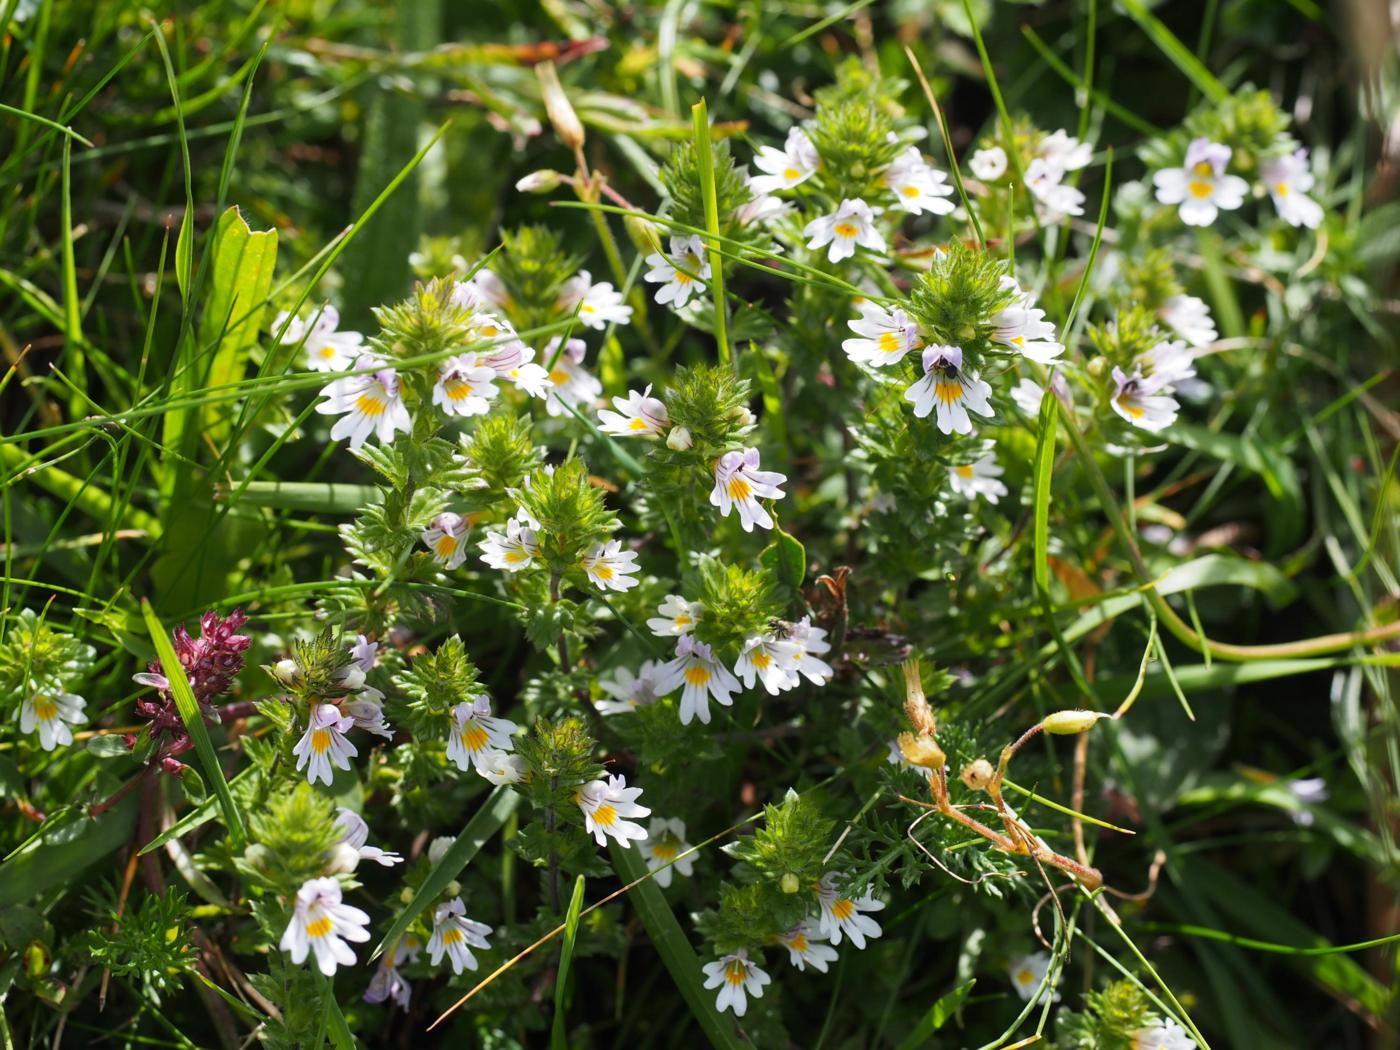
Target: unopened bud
746 418
437 849
679 439
541 181
1068 723
977 775
921 751
642 233
287 672
453 888
790 883
344 859
257 856
556 105
1097 366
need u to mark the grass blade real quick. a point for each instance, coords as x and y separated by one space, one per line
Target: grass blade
193 718
558 1037
705 157
1044 473
1180 55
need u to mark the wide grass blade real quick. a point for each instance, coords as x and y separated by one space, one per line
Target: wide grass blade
558 1037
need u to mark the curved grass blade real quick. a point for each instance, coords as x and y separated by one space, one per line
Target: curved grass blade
558 1037
1044 472
194 722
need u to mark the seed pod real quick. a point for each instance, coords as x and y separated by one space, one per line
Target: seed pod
977 775
557 106
790 883
1070 723
915 705
921 751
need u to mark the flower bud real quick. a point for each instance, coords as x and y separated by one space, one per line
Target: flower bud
921 751
977 775
1097 366
790 883
541 181
556 105
642 233
256 856
453 888
344 858
438 848
679 439
1068 723
287 672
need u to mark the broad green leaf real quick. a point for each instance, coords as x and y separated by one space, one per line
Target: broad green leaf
786 558
193 718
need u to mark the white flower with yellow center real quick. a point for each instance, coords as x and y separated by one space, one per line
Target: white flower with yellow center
885 335
770 660
1136 399
675 617
512 550
988 164
629 691
1053 196
1027 973
1189 318
1200 187
475 735
322 923
489 328
571 384
852 224
700 676
500 767
785 168
736 978
1022 327
739 485
51 714
606 805
971 480
682 273
844 915
609 567
665 842
447 539
948 389
388 982
917 186
637 415
598 305
1289 180
454 935
354 832
514 362
327 350
324 743
465 387
1162 1035
805 946
369 403
806 644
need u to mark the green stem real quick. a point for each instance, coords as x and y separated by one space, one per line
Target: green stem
705 158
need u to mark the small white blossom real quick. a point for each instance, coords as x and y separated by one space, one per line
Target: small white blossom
599 305
630 691
365 653
1289 180
1022 327
465 387
739 485
805 946
988 164
475 734
327 349
484 288
322 922
1055 197
512 550
1026 974
785 168
676 617
1163 1035
665 842
736 978
696 668
1136 399
1190 318
447 539
369 404
354 832
515 362
807 645
1200 187
572 384
606 804
500 767
388 982
843 915
324 744
609 567
1311 791
51 714
367 713
681 274
637 415
761 208
946 387
1027 393
1168 364
1064 151
454 935
769 660
885 335
852 224
918 187
972 480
